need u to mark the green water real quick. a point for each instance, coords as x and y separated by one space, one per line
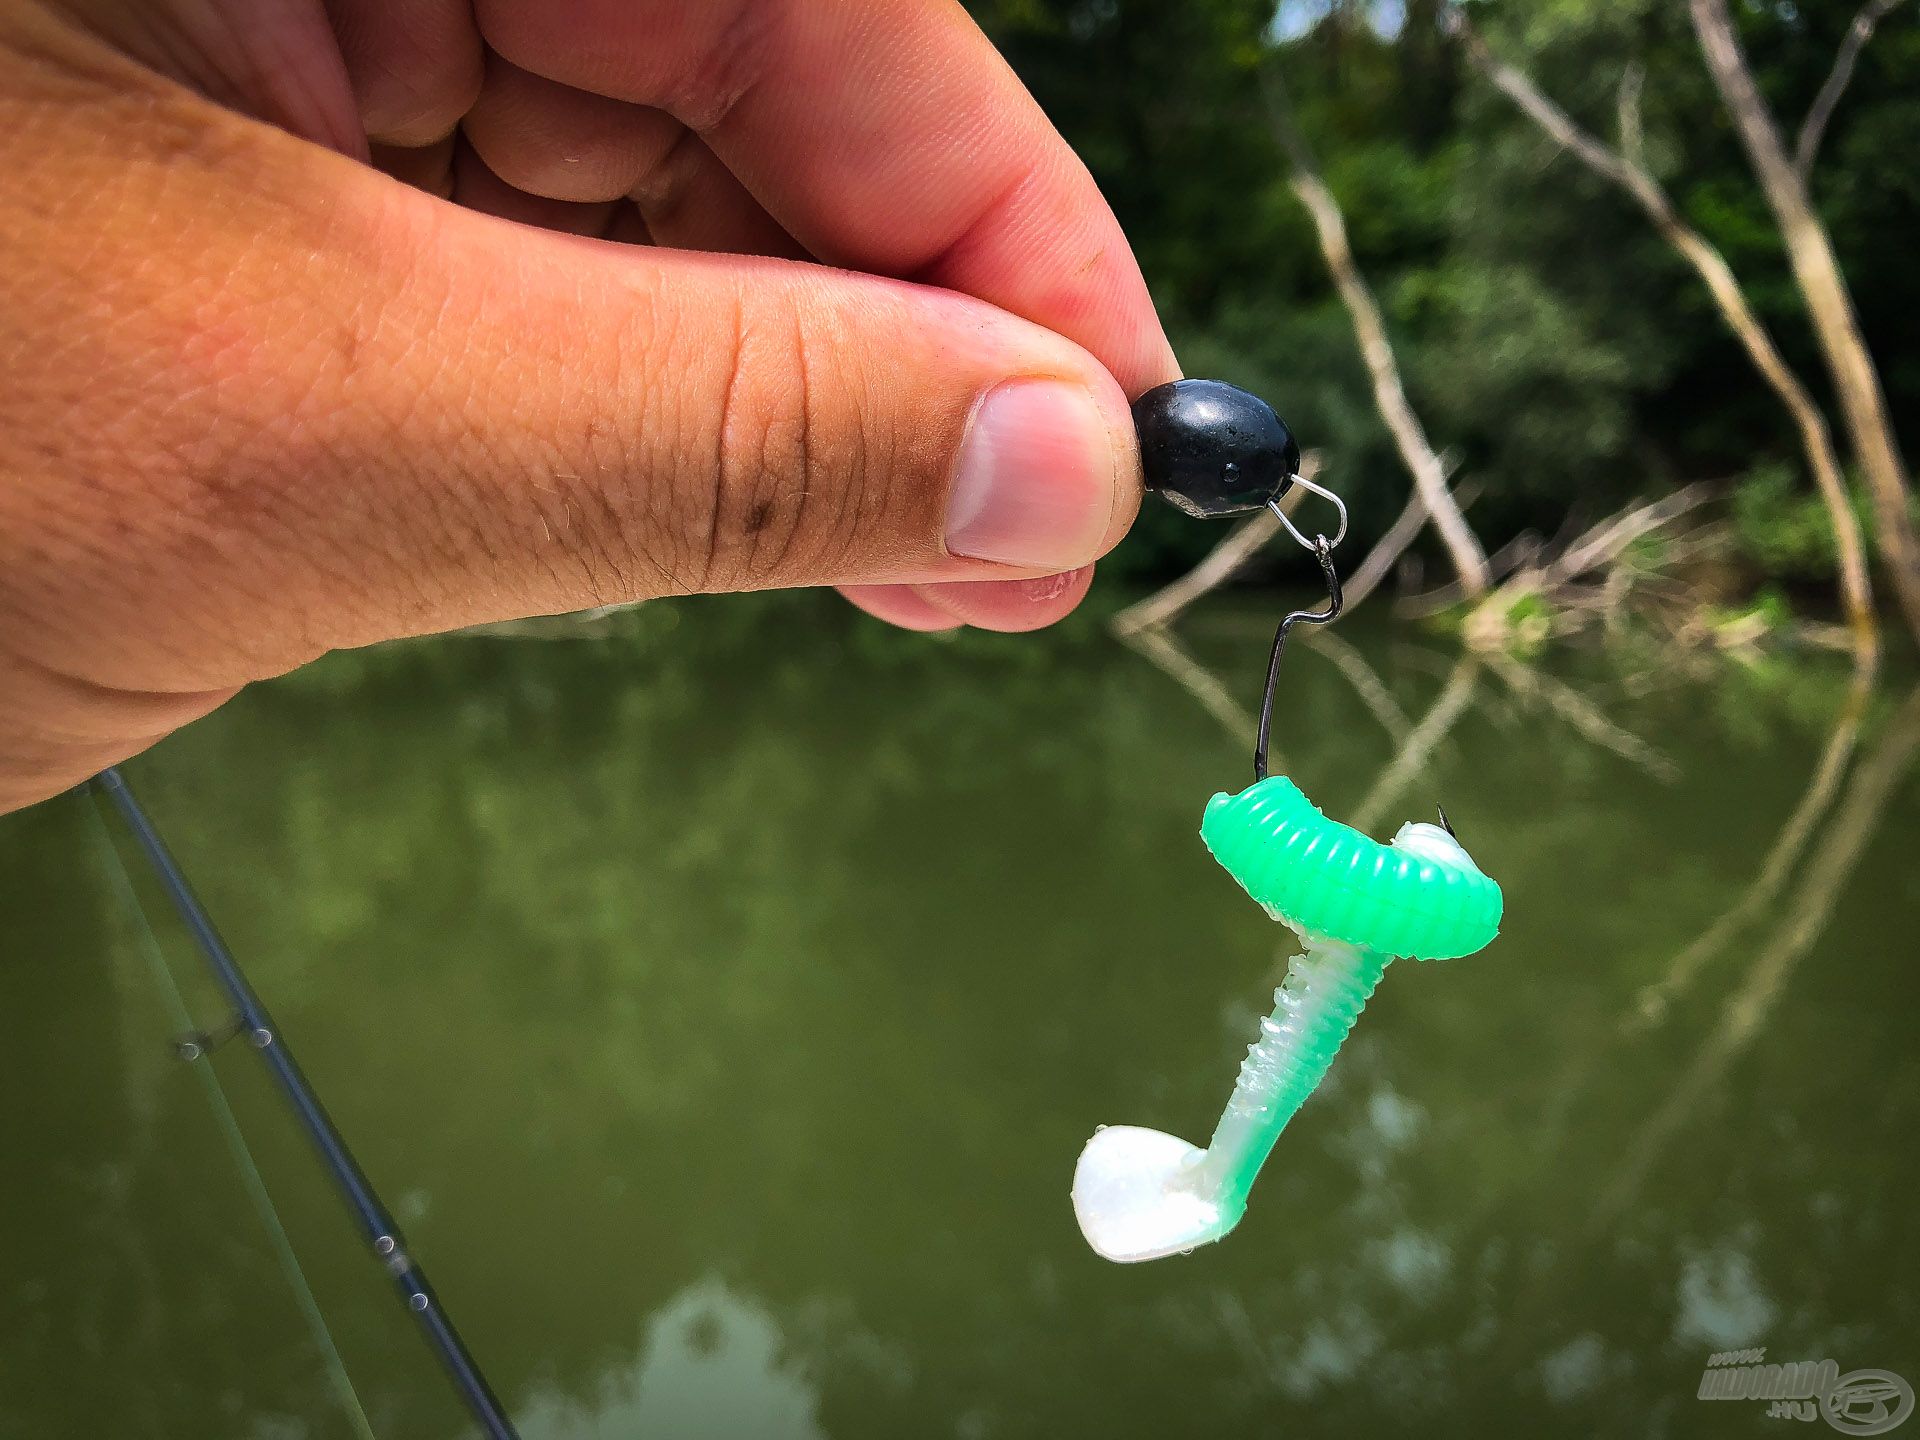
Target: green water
721 1003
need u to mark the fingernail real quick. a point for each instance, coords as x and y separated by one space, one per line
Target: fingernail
1036 479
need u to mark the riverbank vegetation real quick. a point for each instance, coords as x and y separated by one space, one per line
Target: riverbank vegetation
1597 313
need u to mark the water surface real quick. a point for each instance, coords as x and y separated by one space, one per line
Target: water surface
721 1001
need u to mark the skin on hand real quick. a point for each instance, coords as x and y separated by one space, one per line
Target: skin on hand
735 295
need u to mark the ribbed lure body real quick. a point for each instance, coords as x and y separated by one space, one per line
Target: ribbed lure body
1421 896
1325 988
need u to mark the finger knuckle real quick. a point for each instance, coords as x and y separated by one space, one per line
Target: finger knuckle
790 466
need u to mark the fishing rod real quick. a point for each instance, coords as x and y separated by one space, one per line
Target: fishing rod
251 1019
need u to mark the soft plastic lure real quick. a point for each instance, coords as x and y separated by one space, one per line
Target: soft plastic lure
1139 1193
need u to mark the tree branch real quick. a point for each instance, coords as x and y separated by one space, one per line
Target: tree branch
1366 682
1158 645
1815 440
1829 303
1633 130
1814 128
1820 883
1584 716
1370 333
1388 549
1604 542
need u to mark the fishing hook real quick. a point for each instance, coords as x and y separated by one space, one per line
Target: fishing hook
1323 551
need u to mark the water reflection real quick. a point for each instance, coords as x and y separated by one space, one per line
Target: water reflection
1782 857
1413 758
1806 916
711 1366
729 1004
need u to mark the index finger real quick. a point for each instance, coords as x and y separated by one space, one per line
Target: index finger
884 135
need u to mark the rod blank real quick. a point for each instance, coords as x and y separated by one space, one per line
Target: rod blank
257 1026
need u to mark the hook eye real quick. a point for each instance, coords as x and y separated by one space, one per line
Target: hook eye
1325 494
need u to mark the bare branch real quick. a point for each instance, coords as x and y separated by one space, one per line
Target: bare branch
1517 554
1816 442
1820 883
1856 383
1535 105
1633 130
1814 128
1561 574
1604 542
1370 333
1214 570
1388 549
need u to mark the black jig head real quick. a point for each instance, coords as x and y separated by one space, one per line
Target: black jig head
1212 449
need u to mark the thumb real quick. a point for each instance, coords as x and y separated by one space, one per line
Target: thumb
315 409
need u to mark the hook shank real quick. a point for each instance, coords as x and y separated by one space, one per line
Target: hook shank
1323 552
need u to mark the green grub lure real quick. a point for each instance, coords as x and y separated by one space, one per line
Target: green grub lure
1140 1194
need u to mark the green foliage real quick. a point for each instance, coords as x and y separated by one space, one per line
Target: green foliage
1736 628
1529 621
1782 529
1548 338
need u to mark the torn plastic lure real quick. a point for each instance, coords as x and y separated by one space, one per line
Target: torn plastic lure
1138 1193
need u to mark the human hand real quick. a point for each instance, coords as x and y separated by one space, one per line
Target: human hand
263 402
